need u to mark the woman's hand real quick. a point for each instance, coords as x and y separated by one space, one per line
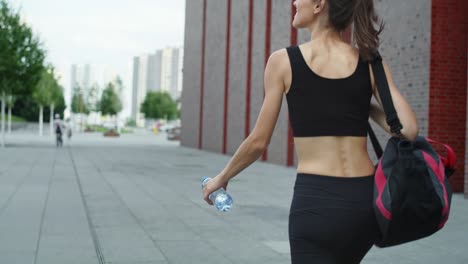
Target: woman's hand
211 186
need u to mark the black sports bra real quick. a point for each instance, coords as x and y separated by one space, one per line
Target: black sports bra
320 106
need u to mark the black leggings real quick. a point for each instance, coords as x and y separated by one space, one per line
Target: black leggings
331 220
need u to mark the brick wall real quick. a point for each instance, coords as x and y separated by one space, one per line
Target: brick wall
209 94
405 47
447 99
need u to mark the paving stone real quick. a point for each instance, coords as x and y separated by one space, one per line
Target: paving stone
137 200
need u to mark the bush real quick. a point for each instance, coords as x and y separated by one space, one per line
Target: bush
16 119
131 123
89 129
111 133
126 131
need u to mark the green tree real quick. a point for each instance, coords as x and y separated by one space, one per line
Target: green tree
93 98
60 104
131 122
110 103
26 107
21 57
56 98
47 93
159 105
78 104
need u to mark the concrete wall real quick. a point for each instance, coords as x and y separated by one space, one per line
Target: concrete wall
258 59
215 61
406 43
261 50
405 47
280 38
190 111
237 74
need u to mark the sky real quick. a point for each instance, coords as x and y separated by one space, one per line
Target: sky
106 34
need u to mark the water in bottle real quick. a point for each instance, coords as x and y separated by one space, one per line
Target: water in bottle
220 198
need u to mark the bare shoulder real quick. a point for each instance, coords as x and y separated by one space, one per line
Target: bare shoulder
279 59
279 68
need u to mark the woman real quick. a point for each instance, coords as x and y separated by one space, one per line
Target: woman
328 85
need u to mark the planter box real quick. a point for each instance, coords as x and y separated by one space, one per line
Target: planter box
111 133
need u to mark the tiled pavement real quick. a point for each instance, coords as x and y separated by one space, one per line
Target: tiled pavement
137 200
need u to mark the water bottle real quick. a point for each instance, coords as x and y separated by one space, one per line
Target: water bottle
220 198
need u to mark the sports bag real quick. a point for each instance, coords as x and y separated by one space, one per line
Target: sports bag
412 194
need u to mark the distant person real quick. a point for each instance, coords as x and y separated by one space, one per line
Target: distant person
69 129
328 85
59 127
69 133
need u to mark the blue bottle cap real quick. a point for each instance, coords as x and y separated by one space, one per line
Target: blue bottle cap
204 179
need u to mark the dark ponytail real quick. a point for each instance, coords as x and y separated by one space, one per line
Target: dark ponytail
362 14
365 36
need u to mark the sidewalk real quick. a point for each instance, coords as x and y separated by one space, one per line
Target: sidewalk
137 200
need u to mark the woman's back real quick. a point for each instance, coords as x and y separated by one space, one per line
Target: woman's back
328 92
328 86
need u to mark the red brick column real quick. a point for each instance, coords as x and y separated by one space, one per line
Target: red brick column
226 75
466 157
448 84
202 78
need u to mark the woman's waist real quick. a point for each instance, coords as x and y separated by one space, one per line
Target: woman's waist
339 166
326 191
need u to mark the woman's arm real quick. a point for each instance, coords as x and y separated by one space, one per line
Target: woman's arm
256 143
405 113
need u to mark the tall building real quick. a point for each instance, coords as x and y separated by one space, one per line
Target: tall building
165 71
140 86
161 71
154 71
81 77
171 68
134 108
176 62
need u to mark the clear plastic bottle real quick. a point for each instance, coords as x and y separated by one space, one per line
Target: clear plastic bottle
220 198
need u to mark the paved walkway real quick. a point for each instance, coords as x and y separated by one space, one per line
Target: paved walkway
137 200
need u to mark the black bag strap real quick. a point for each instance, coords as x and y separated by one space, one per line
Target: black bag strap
375 142
384 91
